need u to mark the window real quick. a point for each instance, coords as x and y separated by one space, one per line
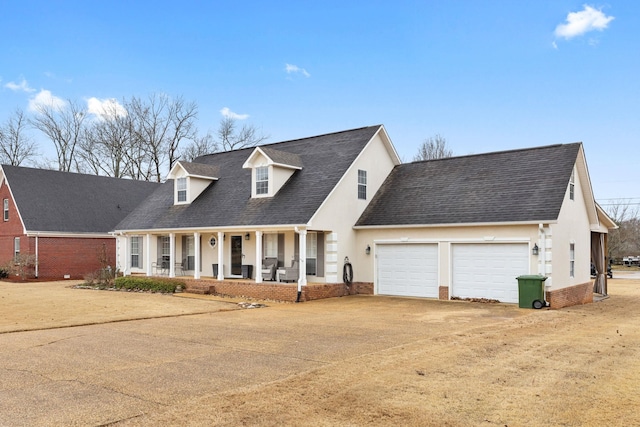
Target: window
362 185
271 245
16 249
165 249
312 253
262 180
572 259
182 189
5 204
572 184
135 252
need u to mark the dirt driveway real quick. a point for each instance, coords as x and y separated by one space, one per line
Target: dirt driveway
345 361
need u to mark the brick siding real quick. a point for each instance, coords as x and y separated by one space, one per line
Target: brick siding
573 295
275 291
443 292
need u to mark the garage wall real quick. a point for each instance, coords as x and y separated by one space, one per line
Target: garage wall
444 238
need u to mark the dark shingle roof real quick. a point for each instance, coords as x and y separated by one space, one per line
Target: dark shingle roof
200 169
283 157
73 203
509 186
228 202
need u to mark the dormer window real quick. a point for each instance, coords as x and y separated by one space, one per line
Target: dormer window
190 180
181 184
270 170
262 180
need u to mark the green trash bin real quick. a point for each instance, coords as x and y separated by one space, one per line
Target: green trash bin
531 291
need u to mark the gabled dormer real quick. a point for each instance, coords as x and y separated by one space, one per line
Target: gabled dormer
270 169
191 179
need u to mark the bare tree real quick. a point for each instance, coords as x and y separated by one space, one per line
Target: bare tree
201 146
107 140
434 147
16 146
230 137
64 126
160 124
625 240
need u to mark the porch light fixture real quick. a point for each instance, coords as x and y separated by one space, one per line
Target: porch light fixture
368 250
535 249
247 236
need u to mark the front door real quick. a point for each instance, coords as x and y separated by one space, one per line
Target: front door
236 255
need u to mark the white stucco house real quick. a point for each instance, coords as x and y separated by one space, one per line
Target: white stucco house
452 228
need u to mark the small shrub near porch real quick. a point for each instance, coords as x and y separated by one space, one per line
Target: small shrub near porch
137 284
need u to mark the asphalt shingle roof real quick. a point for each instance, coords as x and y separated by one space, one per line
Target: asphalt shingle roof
282 157
509 186
228 202
73 203
200 169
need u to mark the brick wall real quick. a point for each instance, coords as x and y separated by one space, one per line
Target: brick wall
275 291
10 229
573 295
75 257
443 292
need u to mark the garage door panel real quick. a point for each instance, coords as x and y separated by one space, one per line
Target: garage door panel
407 270
489 270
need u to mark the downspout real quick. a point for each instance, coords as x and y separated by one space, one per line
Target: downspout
37 234
543 254
543 249
297 230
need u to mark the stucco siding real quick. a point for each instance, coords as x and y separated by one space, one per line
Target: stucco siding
342 208
572 227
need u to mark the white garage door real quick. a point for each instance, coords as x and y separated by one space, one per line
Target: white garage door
489 270
407 270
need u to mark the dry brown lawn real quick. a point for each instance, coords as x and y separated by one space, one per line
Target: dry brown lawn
578 366
344 362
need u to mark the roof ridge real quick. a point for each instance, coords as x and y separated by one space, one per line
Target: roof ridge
514 150
292 140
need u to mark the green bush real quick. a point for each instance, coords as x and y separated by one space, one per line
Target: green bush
147 284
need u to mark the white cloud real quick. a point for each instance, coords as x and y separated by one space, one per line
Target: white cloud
22 86
105 108
579 23
290 68
226 112
45 98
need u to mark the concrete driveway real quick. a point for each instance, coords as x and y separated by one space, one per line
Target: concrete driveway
133 354
141 359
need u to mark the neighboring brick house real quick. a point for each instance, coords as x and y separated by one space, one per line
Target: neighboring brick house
62 220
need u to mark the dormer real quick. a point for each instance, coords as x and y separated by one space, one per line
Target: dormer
190 180
270 169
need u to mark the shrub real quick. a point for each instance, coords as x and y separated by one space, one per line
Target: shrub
151 284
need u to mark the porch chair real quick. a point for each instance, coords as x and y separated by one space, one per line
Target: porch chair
291 273
269 266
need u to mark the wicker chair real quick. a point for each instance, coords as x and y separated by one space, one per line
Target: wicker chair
291 273
269 266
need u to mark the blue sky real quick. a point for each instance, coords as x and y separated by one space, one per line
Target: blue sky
486 75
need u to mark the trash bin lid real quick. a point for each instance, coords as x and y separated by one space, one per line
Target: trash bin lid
532 277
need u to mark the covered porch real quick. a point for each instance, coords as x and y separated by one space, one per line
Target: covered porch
295 256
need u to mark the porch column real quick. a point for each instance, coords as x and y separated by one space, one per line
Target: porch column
220 255
172 255
196 243
147 248
127 255
302 259
258 256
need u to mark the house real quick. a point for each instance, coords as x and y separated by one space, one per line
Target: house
453 228
62 220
